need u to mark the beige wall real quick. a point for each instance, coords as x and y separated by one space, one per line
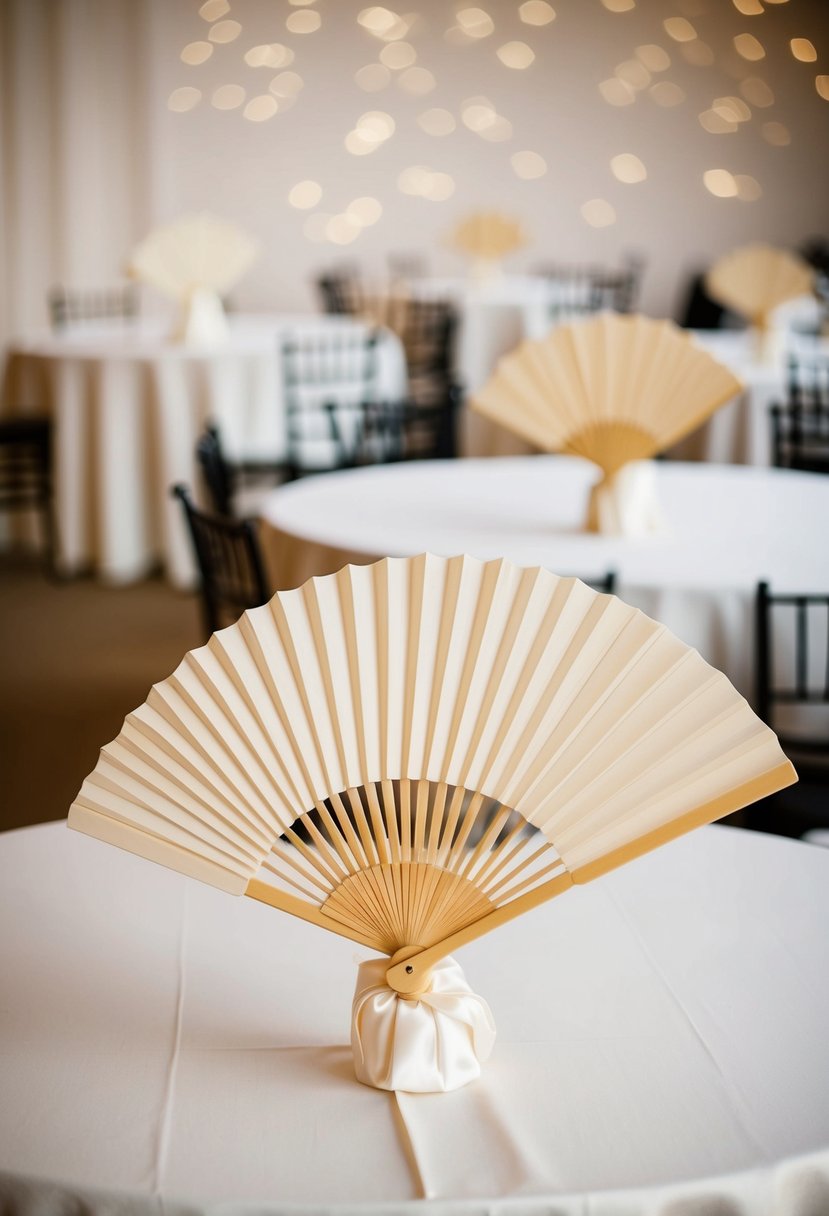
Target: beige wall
92 154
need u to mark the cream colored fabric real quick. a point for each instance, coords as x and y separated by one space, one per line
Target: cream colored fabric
627 504
725 529
661 1046
129 404
432 1044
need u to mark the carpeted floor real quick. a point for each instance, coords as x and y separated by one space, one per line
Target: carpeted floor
75 658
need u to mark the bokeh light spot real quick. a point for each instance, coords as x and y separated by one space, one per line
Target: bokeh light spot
306 21
305 195
598 213
196 52
417 81
260 109
181 100
528 165
679 28
720 183
628 168
364 211
373 77
224 31
437 122
748 188
654 57
536 12
803 49
516 55
228 97
213 9
398 55
475 23
776 134
617 92
757 92
269 55
749 47
667 93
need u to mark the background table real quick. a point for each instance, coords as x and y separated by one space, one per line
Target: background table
657 1028
729 528
129 405
740 432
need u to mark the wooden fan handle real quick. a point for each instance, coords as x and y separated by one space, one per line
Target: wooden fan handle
410 975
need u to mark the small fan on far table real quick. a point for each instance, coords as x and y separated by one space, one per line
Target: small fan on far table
615 390
753 281
486 238
195 261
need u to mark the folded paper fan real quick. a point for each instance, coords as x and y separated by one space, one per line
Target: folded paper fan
487 237
613 389
755 279
195 261
414 752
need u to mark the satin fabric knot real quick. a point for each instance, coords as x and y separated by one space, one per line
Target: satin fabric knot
432 1044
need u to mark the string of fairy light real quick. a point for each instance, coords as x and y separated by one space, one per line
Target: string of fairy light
644 74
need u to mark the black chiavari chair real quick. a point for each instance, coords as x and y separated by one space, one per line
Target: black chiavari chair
229 561
217 474
326 377
428 330
792 695
26 473
341 293
69 307
800 428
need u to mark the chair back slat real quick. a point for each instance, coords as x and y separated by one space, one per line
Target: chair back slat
229 562
70 306
216 473
786 673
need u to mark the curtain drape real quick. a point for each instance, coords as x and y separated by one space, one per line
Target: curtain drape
74 162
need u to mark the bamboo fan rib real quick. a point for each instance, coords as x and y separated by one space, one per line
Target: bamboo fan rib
611 389
403 750
755 279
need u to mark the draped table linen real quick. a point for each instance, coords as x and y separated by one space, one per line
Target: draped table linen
726 529
128 406
661 1047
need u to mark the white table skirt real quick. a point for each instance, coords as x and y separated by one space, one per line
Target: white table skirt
129 406
729 528
662 1046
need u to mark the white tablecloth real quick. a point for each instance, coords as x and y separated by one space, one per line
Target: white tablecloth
664 1027
129 406
730 527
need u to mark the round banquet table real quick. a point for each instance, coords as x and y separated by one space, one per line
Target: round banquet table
662 1046
128 406
728 528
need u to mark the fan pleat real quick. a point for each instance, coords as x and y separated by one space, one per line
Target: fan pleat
406 746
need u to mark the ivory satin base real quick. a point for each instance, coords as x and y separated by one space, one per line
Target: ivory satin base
431 1044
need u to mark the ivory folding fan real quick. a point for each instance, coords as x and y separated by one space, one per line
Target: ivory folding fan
756 279
412 753
195 261
615 390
